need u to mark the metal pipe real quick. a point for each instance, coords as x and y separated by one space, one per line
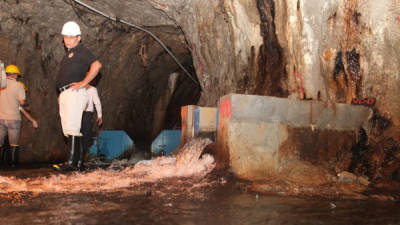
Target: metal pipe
115 19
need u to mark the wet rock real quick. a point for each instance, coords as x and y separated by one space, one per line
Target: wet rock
350 177
363 181
346 177
382 197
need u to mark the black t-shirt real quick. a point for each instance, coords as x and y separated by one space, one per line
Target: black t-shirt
74 69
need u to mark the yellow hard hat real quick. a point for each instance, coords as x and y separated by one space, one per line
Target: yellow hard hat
23 85
12 69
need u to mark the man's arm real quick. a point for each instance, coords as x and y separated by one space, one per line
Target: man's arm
22 103
30 118
93 71
97 104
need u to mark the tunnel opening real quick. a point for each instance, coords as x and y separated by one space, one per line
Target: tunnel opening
186 93
153 87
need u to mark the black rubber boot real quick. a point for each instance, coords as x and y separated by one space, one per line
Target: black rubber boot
14 156
71 163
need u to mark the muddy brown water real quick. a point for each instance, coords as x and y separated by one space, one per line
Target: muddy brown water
201 198
167 190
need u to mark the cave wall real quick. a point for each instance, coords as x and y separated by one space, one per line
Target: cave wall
340 50
224 39
332 51
327 50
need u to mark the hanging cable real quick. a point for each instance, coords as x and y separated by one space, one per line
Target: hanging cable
118 20
76 10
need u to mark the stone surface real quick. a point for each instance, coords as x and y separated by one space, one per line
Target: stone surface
224 39
339 50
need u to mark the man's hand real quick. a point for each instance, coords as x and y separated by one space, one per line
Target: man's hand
90 75
99 121
78 85
35 124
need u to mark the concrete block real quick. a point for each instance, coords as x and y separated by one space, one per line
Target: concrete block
187 115
260 136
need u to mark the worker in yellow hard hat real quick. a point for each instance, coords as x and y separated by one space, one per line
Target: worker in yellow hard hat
13 86
11 98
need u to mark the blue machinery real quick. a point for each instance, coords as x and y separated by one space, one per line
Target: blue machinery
111 144
166 142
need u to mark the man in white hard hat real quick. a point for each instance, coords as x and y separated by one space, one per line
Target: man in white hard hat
77 68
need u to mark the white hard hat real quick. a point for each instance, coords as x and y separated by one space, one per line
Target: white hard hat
71 28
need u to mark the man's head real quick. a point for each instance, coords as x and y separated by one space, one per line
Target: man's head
71 34
12 71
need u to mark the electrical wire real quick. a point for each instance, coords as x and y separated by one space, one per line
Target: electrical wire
79 15
118 20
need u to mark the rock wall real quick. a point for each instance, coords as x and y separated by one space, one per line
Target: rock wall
331 51
339 50
224 39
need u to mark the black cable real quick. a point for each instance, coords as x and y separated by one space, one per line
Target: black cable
76 10
118 20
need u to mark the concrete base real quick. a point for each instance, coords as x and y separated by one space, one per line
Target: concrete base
261 137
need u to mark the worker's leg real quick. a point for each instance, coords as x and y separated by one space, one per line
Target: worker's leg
72 158
86 129
79 165
14 130
3 133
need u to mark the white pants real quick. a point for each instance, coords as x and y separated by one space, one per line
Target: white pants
72 104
